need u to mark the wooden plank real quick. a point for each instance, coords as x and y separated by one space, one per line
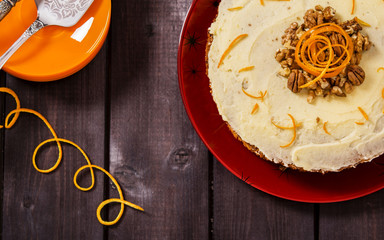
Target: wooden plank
243 212
155 154
48 206
361 218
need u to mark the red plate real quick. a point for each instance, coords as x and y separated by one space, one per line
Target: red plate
263 175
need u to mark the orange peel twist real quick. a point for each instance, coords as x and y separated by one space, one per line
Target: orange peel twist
307 52
10 120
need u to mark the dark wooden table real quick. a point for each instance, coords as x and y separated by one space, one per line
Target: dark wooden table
125 110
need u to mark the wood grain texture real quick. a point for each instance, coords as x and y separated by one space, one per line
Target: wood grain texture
2 134
243 212
356 219
48 206
155 153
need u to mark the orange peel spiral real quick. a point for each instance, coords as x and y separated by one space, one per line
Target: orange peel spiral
307 52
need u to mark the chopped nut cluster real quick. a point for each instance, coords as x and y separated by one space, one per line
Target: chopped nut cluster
341 85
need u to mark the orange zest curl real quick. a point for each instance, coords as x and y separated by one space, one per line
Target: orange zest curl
353 6
285 128
235 8
307 53
380 69
364 115
382 91
255 108
261 97
281 127
10 121
233 43
17 101
246 69
294 126
294 132
262 1
361 22
325 128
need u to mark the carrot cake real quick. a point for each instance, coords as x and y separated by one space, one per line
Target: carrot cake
300 82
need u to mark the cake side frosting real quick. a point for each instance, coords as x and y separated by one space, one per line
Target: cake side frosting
313 149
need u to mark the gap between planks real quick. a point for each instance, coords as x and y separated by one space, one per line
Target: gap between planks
316 221
107 127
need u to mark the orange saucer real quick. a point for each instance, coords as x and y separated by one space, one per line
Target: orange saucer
53 52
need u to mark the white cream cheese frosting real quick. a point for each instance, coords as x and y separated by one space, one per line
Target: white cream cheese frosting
313 149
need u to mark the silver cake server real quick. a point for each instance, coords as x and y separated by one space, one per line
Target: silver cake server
6 6
64 13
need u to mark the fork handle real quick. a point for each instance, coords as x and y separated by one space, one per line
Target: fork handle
6 6
35 26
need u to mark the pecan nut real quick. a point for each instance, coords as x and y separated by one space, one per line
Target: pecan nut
311 96
295 80
348 87
310 18
329 13
351 26
342 82
356 75
280 56
359 42
285 72
356 58
337 38
290 34
337 91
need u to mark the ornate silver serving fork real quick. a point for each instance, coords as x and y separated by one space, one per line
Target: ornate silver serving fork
64 13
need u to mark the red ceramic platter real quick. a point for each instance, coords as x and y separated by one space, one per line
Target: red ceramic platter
263 175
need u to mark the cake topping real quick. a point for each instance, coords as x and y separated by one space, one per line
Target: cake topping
262 1
261 97
246 69
325 128
361 22
293 128
364 115
324 41
235 8
255 108
353 6
322 54
285 128
295 80
233 43
362 112
382 95
356 75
